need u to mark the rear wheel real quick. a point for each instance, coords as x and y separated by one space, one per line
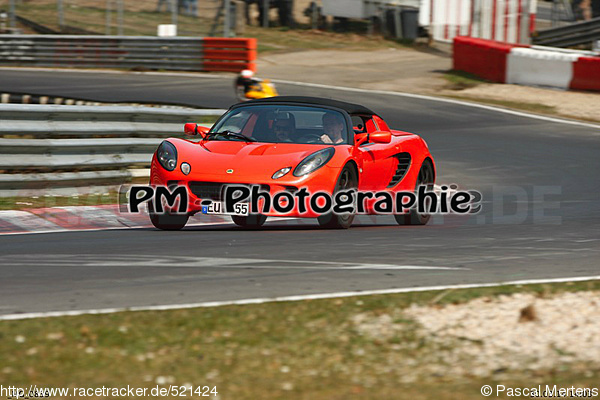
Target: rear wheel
348 180
251 221
413 217
165 220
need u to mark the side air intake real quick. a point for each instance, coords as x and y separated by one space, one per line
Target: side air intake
403 164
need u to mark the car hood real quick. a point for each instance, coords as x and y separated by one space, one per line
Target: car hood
252 160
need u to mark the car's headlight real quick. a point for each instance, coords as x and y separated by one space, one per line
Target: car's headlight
281 172
314 161
167 155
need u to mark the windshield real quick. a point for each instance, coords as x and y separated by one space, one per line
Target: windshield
282 124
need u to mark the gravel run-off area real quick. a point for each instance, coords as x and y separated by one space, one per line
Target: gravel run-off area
508 334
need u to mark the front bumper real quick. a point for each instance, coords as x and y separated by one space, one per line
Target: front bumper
209 187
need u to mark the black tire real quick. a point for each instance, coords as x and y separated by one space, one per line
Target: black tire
167 221
425 177
240 93
241 98
348 179
251 221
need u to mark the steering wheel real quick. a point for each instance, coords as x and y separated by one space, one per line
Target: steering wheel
311 138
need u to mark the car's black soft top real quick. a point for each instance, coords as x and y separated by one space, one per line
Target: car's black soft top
318 101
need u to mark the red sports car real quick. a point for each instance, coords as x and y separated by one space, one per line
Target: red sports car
284 144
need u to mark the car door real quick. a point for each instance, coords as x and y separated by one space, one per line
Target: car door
377 159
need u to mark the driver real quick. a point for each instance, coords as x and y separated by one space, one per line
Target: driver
247 80
333 126
284 129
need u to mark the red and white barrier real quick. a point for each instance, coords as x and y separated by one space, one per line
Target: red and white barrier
508 21
229 54
484 58
534 67
586 74
524 65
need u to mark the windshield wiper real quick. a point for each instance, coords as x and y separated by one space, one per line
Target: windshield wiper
233 134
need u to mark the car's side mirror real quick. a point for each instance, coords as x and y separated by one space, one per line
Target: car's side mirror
380 137
373 137
192 129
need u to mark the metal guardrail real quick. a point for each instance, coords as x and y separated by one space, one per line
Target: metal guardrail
58 121
87 51
569 35
59 146
183 53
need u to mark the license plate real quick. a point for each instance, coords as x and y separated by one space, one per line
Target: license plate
217 207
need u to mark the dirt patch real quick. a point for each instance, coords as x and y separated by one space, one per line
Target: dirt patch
396 69
508 333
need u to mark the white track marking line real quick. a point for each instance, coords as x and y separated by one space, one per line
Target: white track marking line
219 262
350 265
11 317
318 85
93 260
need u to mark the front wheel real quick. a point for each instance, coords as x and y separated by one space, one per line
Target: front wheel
251 221
240 93
348 180
413 217
165 220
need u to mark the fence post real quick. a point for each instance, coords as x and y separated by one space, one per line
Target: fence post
226 17
525 23
239 20
120 16
108 17
174 11
61 15
12 14
266 8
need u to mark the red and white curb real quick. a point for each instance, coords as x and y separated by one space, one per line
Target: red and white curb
102 217
83 218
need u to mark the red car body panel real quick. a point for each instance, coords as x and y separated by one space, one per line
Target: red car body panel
256 162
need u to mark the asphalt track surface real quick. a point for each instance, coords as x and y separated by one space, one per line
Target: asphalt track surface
541 215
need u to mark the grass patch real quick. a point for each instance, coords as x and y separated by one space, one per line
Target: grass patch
288 350
43 201
111 196
459 80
